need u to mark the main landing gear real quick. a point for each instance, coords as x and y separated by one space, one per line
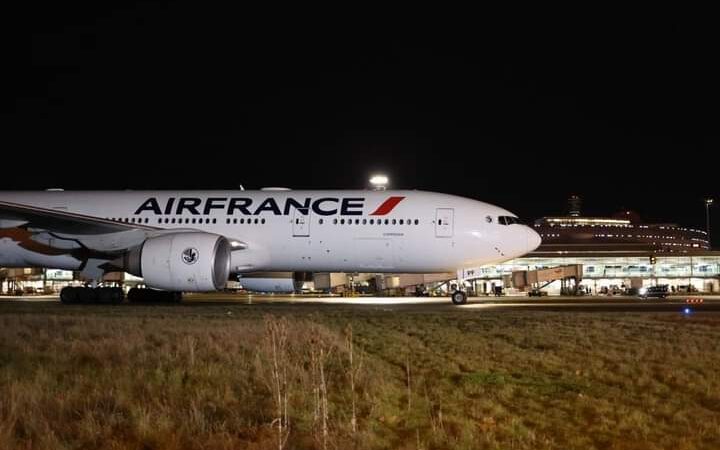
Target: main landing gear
137 295
107 295
76 295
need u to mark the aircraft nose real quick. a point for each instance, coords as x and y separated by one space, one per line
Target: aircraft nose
533 239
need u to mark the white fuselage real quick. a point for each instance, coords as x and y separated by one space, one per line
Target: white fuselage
285 230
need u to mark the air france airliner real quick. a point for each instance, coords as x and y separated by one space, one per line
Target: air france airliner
193 241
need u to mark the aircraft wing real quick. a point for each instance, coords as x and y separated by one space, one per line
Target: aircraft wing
60 221
51 226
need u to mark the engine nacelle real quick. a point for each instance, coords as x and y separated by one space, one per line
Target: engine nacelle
186 261
280 282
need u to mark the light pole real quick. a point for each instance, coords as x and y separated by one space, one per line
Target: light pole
708 203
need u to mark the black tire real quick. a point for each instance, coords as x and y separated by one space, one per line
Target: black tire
137 295
69 295
110 295
87 295
458 298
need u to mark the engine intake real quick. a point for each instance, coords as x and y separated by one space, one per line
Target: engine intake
188 261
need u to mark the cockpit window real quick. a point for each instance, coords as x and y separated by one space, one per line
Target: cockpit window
508 220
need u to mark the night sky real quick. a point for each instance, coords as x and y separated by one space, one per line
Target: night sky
173 96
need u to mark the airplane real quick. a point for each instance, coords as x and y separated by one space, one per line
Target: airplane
193 241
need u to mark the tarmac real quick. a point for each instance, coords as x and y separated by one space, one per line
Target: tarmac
685 304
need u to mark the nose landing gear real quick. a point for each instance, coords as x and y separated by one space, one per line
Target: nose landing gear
459 297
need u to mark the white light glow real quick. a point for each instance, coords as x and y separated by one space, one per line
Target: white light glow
379 180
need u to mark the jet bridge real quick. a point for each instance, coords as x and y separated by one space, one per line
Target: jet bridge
534 280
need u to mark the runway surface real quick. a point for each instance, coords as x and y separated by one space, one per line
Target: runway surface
425 304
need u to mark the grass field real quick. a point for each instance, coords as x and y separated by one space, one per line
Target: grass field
270 376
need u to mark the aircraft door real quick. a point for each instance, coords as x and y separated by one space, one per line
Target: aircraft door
444 222
301 224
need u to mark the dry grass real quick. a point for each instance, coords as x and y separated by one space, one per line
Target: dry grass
209 377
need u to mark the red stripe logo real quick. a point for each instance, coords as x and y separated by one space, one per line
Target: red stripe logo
387 206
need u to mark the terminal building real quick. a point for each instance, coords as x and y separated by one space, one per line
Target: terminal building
616 253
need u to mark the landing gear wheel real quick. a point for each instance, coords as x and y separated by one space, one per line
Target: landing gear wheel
69 295
459 297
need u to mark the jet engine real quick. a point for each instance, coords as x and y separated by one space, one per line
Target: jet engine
279 282
187 261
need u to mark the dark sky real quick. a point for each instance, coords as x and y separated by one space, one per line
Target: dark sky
171 96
